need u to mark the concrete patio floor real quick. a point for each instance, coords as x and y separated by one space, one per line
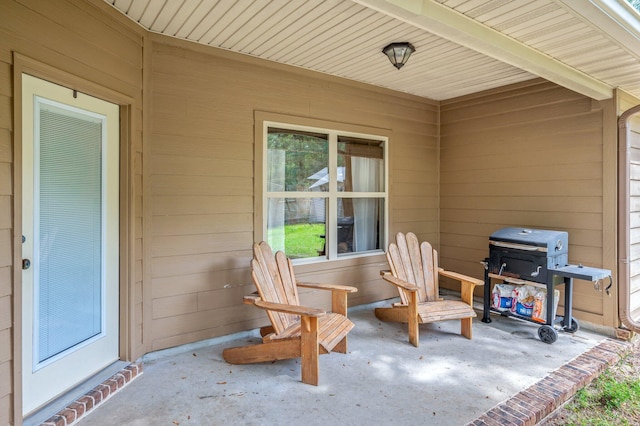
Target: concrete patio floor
448 380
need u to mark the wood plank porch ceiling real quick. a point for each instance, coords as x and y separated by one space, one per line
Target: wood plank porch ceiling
462 46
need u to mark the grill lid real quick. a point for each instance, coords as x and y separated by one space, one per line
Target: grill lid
550 241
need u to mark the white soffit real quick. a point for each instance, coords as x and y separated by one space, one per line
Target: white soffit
462 46
336 37
474 24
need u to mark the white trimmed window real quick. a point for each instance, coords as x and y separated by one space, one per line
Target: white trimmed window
324 191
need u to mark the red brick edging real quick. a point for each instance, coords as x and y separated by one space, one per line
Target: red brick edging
83 405
532 405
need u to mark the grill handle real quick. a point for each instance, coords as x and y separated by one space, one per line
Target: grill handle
517 246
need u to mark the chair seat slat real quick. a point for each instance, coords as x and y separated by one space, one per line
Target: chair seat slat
331 329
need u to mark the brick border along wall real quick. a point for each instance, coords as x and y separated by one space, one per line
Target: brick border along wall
83 405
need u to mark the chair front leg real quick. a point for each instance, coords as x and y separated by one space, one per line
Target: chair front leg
466 327
309 350
412 318
466 292
339 306
339 302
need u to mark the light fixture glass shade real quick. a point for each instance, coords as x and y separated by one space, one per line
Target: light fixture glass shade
399 53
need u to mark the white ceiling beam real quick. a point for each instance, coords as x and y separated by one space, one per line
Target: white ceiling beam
456 27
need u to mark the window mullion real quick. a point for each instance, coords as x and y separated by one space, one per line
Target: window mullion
362 195
332 203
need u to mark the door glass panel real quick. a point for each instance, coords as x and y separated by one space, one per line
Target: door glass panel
68 298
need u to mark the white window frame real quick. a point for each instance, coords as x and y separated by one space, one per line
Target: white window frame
333 131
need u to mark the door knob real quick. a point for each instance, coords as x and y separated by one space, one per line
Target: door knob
26 264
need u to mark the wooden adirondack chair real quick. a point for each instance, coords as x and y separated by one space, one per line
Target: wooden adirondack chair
414 271
295 331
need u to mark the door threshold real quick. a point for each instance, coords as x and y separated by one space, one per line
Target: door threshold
82 399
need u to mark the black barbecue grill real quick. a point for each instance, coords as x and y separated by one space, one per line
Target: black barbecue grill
528 254
540 258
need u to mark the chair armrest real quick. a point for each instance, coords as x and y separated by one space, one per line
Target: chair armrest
389 277
324 286
250 299
289 309
460 277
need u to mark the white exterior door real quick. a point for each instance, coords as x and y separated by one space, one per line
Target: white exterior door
70 173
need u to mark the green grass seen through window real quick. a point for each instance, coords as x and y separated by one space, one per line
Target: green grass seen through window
303 240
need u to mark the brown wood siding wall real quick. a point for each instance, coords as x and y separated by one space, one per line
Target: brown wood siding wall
78 38
527 157
202 180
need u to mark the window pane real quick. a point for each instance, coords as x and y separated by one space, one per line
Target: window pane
297 226
360 165
297 161
360 224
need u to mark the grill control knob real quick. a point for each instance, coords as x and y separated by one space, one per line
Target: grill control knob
559 245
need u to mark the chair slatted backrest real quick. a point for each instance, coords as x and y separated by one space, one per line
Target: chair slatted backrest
415 263
275 281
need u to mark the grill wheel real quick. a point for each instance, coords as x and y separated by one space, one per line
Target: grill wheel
547 334
574 327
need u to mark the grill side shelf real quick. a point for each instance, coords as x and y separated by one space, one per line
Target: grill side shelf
580 272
